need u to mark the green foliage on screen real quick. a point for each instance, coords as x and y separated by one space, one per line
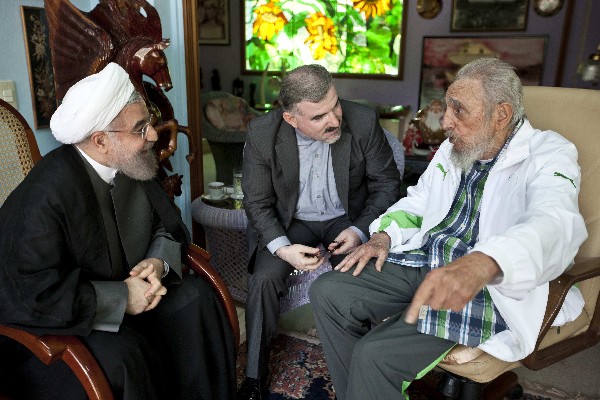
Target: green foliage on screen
345 36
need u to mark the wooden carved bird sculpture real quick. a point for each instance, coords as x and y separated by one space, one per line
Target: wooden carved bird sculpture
129 33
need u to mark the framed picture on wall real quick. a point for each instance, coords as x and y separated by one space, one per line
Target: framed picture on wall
489 15
352 39
39 63
213 22
442 57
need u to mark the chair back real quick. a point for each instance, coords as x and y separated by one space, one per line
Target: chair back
225 118
18 149
397 150
575 114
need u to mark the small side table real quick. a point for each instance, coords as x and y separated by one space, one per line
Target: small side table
225 230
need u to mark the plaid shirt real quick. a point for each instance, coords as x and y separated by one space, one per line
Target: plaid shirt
451 239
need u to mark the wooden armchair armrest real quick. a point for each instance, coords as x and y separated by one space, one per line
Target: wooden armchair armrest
49 348
583 269
70 349
198 260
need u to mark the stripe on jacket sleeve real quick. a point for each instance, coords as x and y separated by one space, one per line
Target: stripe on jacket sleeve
403 219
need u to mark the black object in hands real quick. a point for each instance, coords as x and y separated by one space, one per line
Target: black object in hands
337 246
321 253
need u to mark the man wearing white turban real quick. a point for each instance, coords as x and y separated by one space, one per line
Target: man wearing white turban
91 246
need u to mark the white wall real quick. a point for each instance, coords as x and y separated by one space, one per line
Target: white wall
13 66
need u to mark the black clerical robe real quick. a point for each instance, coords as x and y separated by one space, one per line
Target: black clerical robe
54 257
53 245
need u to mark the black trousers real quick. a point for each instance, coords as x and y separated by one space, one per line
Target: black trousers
183 349
267 284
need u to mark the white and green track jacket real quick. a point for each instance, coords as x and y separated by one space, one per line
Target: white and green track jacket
529 223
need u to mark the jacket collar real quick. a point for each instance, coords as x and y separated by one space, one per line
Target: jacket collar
340 159
286 150
518 148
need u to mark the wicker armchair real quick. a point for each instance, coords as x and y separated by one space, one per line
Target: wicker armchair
19 150
19 153
225 231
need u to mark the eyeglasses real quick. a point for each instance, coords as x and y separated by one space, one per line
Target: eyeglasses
142 132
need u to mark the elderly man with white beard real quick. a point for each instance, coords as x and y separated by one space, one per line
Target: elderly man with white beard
467 256
90 245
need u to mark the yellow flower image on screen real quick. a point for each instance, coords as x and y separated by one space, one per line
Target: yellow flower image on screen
348 37
269 21
322 35
372 7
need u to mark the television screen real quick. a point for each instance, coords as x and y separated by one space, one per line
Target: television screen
349 37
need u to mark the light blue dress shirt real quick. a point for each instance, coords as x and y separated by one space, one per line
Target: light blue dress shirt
318 199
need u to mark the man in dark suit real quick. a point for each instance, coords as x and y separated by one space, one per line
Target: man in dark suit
90 245
316 171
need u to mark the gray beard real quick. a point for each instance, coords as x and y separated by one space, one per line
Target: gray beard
335 138
139 166
465 159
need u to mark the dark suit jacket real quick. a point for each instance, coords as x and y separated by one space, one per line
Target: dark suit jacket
53 244
366 175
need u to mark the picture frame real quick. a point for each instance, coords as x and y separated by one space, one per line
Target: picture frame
489 15
213 22
442 57
350 39
39 63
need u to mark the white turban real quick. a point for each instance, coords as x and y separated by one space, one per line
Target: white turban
91 104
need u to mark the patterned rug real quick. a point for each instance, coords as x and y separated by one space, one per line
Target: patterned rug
299 371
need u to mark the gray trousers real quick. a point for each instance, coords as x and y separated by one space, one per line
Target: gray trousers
368 358
267 284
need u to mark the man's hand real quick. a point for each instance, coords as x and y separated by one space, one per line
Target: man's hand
137 302
150 270
378 246
345 242
303 258
454 285
157 265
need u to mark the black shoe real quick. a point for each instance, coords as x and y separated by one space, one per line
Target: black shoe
253 389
